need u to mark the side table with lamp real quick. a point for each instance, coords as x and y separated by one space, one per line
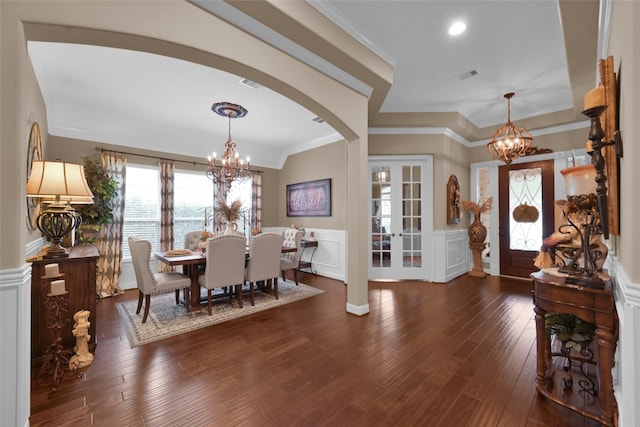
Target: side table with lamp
61 185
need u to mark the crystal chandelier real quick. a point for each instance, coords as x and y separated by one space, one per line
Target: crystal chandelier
230 167
509 142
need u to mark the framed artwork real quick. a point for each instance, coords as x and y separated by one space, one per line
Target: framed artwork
34 152
453 200
311 198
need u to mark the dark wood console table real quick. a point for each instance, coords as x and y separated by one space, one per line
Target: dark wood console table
304 244
552 294
79 271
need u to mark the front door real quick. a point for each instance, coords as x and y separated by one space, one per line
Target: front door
524 189
400 231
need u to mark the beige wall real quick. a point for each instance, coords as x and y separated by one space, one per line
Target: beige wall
623 47
328 161
22 105
449 158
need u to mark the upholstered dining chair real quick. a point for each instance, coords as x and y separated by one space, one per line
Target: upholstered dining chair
264 261
226 255
290 260
150 283
192 239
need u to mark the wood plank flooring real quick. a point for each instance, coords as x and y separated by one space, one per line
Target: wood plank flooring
428 354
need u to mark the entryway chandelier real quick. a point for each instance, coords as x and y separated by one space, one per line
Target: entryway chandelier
509 142
230 167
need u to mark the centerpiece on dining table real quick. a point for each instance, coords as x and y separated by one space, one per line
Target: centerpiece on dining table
204 235
229 214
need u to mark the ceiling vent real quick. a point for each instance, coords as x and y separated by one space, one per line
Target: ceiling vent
317 119
468 74
249 83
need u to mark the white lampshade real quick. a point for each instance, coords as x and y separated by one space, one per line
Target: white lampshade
579 180
58 181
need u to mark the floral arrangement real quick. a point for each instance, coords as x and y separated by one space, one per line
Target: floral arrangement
228 213
477 208
205 235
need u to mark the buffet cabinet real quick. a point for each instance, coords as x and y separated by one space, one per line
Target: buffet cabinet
79 273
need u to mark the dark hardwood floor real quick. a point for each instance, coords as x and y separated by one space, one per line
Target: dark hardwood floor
455 354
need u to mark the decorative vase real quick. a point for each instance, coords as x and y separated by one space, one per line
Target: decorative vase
202 246
477 234
232 227
477 231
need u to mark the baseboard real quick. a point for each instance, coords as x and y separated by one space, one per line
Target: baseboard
358 310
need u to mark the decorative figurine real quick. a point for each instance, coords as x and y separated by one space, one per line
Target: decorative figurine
83 356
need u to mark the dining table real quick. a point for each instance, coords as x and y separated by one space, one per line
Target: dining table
190 262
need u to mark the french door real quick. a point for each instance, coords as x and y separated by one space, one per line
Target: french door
400 216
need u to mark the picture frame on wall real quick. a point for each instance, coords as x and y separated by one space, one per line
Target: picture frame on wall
311 198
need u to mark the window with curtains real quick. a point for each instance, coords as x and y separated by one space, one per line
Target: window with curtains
193 205
142 206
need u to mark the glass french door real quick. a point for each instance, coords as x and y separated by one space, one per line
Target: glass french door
400 218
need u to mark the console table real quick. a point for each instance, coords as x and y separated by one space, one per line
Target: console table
79 270
552 294
304 244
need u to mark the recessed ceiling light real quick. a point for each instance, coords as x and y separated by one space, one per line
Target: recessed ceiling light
457 28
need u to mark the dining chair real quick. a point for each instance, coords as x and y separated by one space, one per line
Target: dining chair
226 255
150 283
264 261
291 260
192 239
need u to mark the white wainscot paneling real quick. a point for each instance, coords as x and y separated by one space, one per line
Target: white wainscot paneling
450 254
626 371
329 259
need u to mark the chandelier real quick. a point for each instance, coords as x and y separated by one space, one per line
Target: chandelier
509 142
230 167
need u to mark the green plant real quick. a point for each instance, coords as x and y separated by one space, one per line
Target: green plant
570 329
104 189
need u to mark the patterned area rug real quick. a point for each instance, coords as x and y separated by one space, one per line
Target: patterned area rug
167 319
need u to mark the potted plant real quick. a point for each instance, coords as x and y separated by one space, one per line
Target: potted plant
99 213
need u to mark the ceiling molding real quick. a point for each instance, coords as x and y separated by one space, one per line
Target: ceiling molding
350 28
254 27
445 131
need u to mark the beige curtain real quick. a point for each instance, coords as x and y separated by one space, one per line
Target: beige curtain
110 239
256 203
167 173
219 193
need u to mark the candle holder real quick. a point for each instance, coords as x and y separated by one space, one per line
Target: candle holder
596 133
587 213
56 359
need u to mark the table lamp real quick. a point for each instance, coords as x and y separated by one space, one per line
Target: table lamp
60 184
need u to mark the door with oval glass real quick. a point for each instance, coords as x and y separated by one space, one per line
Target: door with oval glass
400 219
526 214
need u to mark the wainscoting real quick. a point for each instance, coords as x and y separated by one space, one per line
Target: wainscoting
329 260
626 372
451 256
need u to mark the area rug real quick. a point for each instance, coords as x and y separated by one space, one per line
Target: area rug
166 318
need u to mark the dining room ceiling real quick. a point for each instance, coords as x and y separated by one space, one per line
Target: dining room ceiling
159 103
